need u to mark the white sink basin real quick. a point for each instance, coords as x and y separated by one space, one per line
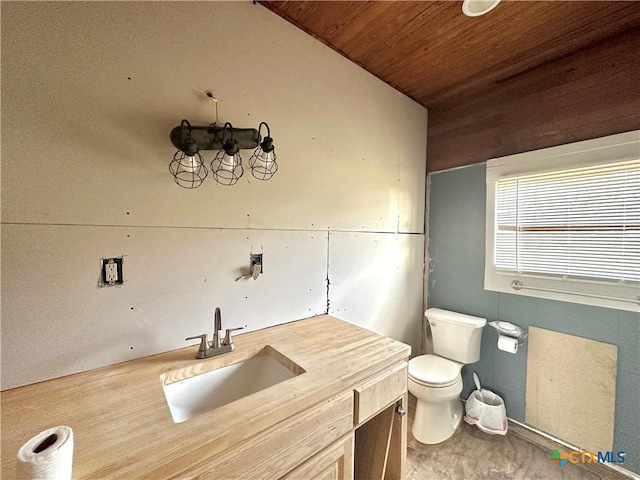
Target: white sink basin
199 394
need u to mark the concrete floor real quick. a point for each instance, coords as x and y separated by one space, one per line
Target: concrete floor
471 454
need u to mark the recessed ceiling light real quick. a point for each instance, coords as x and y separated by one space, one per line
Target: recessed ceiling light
475 8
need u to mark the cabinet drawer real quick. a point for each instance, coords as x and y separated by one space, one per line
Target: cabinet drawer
377 393
279 449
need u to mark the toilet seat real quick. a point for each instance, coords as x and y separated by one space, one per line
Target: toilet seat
434 371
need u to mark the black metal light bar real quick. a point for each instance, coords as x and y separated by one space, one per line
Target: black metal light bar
211 137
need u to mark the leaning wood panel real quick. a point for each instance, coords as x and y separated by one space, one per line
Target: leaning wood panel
571 388
377 393
591 93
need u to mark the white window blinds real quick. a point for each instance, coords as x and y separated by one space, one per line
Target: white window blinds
582 223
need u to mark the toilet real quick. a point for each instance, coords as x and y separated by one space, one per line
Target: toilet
435 379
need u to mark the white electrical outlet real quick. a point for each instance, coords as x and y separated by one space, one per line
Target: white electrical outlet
111 273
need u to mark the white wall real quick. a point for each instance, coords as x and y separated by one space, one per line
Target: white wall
90 92
372 276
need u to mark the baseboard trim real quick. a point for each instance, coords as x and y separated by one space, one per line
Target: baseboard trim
548 442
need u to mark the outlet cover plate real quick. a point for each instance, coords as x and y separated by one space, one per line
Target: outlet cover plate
111 272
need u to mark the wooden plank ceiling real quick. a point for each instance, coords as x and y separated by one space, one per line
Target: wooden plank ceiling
528 75
433 53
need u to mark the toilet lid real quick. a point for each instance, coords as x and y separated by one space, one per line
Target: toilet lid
434 370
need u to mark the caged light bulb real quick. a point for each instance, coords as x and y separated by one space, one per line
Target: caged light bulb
190 163
228 162
265 159
187 166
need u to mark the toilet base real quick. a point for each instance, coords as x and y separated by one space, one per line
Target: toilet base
436 422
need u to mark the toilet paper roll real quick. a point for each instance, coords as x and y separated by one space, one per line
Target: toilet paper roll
47 456
507 344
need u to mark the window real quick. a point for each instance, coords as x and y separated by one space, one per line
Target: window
564 223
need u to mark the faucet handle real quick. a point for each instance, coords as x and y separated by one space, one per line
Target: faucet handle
204 346
227 337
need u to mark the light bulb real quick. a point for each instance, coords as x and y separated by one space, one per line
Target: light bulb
189 163
228 162
265 159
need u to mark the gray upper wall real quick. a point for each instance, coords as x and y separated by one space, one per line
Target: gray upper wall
456 282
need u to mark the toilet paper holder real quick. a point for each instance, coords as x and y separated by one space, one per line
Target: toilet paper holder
510 330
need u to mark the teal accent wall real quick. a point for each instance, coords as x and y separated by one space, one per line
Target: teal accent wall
456 282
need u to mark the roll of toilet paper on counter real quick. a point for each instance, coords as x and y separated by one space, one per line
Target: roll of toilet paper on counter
47 456
507 344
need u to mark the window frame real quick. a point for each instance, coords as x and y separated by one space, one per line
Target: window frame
600 151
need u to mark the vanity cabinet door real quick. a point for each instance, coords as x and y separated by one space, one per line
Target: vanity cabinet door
333 463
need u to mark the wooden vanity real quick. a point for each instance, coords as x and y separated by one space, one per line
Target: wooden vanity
340 419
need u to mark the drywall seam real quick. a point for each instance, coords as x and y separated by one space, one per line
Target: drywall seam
425 267
310 230
398 200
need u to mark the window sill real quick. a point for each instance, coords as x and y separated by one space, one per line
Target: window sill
566 290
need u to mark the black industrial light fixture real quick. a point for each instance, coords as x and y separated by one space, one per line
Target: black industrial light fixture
187 166
263 161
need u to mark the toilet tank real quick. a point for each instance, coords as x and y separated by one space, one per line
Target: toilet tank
456 336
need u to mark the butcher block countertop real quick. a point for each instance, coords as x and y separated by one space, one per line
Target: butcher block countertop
121 422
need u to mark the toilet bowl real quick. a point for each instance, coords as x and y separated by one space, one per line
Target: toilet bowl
436 380
436 383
